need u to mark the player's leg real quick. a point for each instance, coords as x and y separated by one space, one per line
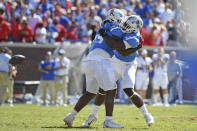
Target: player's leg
139 82
64 90
11 93
155 91
128 82
179 90
91 91
51 88
44 89
164 86
138 101
145 86
56 89
100 97
4 80
107 81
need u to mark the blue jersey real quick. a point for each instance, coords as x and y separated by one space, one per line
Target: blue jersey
132 40
51 74
98 41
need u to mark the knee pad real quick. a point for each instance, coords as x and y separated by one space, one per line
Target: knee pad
129 91
101 92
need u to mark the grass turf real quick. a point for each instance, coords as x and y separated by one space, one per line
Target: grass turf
39 118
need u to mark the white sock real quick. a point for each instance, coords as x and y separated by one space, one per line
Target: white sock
95 109
144 109
108 118
165 98
155 98
74 112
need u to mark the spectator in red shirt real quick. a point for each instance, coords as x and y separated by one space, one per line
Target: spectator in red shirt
62 31
16 32
26 33
150 37
72 33
5 29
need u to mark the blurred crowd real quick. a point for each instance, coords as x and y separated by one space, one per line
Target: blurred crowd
49 21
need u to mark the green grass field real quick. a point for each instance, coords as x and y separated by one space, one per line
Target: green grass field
35 118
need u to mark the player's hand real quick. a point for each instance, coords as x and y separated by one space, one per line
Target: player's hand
102 32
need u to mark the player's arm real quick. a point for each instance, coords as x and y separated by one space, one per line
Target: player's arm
113 41
130 51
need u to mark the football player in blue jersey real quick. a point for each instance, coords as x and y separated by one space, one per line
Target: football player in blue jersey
99 73
123 63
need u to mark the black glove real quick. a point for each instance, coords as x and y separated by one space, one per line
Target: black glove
102 32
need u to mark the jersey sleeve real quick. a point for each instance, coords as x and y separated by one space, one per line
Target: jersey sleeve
131 41
107 26
116 31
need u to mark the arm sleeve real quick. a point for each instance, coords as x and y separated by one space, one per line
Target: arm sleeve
131 41
113 38
107 26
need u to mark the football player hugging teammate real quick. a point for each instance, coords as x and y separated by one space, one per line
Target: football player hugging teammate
112 53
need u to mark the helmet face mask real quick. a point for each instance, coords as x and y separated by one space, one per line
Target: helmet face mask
132 24
115 16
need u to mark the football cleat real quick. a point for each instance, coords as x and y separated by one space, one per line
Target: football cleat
69 120
111 124
149 119
91 119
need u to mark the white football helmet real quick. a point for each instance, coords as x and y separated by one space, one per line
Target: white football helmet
132 24
115 16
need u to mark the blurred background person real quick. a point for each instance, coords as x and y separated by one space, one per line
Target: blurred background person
46 68
72 32
41 34
160 78
179 84
62 64
61 31
52 32
5 29
10 89
174 72
142 73
16 30
26 32
33 19
5 69
173 33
